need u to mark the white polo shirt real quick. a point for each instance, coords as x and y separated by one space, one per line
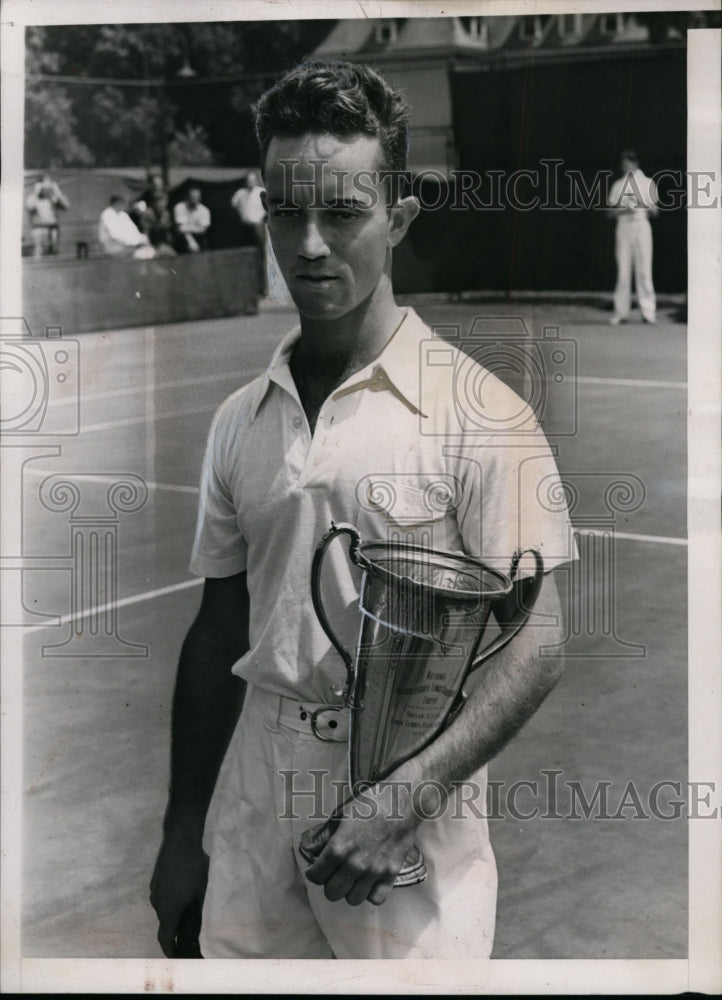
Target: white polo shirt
450 477
636 192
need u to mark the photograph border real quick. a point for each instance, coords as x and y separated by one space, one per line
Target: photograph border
702 970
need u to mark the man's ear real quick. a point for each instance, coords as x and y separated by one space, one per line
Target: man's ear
401 215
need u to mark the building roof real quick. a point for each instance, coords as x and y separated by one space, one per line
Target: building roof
470 39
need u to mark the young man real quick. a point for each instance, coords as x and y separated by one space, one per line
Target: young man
632 200
317 439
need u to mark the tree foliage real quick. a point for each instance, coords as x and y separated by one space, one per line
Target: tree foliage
149 107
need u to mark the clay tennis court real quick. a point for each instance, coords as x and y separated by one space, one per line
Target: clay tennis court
96 728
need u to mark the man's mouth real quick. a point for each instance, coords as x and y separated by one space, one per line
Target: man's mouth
316 279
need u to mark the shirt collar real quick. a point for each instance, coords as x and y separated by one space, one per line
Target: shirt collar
399 360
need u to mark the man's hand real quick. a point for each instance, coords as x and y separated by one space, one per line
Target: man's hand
366 849
178 883
207 701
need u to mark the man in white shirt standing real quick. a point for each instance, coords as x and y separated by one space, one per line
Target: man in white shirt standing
632 200
320 437
42 204
118 234
248 202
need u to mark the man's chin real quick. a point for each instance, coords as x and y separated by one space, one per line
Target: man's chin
313 307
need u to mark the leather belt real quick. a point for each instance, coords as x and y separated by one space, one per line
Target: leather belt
329 723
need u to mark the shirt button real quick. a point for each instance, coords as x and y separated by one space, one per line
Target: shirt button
296 422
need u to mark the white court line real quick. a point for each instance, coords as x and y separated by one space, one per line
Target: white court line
110 425
182 383
149 595
128 421
124 602
91 477
185 383
630 537
634 383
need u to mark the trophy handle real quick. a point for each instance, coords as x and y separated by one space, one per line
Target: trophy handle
316 567
521 617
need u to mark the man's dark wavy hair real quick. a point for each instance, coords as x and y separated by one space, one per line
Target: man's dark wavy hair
337 98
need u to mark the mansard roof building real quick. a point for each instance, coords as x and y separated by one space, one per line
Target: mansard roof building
429 59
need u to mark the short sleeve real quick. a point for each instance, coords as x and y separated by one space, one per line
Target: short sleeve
514 501
219 548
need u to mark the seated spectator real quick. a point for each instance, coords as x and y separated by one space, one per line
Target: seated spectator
157 224
192 220
154 185
118 234
42 203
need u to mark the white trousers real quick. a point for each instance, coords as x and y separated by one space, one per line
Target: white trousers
634 254
260 905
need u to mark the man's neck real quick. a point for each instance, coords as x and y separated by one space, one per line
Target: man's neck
328 353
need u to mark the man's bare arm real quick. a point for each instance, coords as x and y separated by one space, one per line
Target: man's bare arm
363 856
206 704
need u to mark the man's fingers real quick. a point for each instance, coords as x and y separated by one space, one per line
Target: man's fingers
381 892
323 867
339 885
362 890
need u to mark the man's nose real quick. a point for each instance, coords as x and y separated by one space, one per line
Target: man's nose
313 244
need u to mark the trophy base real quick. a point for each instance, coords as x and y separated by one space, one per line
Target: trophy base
414 869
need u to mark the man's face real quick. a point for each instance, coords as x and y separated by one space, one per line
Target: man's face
194 196
628 165
331 228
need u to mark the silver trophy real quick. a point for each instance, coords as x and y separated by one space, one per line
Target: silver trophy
423 616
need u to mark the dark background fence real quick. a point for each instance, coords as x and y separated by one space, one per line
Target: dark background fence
582 114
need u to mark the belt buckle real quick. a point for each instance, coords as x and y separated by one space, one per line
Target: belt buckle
314 725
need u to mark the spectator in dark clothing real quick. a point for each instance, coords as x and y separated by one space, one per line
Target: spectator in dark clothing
154 185
157 224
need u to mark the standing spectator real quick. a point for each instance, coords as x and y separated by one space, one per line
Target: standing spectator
248 202
42 203
192 221
118 234
632 200
157 224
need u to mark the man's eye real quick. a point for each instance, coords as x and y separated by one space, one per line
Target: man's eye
285 213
